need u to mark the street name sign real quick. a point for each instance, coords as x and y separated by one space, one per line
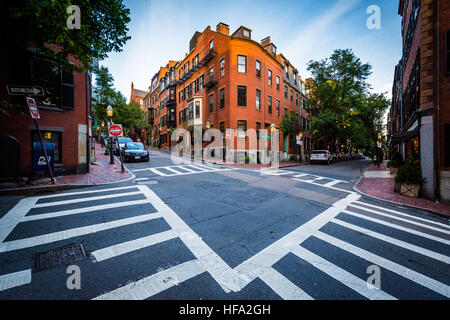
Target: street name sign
25 90
115 130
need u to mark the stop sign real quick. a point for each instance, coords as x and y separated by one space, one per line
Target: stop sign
115 130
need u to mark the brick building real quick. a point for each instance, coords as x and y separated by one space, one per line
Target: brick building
419 119
229 82
64 113
137 96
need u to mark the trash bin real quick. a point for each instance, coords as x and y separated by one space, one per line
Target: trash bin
39 163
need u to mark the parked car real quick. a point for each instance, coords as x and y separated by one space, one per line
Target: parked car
135 151
321 156
335 157
121 141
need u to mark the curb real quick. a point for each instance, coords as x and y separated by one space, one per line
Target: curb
400 205
61 187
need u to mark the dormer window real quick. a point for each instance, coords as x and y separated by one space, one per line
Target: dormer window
246 33
211 45
274 50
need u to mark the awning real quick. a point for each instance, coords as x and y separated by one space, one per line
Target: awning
405 136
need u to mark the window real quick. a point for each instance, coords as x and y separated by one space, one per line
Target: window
270 77
201 82
194 87
296 99
270 104
246 33
222 98
191 111
196 60
242 96
211 74
242 64
292 95
211 45
53 137
187 67
258 99
278 108
258 127
197 109
222 67
242 129
285 112
211 103
447 52
258 69
285 92
278 83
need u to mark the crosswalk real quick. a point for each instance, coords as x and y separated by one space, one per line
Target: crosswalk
421 237
180 170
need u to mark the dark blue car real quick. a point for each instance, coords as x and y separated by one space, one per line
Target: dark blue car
135 151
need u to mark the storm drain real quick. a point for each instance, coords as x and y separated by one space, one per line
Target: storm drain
58 257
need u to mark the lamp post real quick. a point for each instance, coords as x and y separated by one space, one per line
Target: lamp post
208 124
109 113
300 146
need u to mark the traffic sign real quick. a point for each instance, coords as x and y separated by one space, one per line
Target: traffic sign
115 130
25 90
33 108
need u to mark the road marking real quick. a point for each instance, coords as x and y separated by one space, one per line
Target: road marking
156 283
187 169
225 276
133 245
394 241
83 210
174 171
324 185
15 279
275 172
158 172
11 219
142 179
84 192
401 219
403 214
282 286
108 196
389 265
253 267
398 227
341 275
71 233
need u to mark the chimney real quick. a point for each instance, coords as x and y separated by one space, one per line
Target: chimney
267 44
223 28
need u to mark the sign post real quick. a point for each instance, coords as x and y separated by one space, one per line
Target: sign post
34 112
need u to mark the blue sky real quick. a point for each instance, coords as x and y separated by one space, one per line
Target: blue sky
302 30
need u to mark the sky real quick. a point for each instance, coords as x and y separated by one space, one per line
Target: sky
302 30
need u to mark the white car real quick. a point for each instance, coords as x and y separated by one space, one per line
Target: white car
321 156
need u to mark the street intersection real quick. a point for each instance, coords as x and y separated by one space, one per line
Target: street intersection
207 231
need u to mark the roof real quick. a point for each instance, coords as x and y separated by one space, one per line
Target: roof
139 93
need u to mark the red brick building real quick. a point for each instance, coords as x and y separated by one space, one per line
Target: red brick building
137 96
64 113
229 82
419 120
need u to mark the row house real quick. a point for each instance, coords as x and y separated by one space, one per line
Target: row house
229 81
419 117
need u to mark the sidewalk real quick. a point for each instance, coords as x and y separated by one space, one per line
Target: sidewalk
377 182
101 172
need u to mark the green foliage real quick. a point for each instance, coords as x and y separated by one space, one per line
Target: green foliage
410 173
103 28
396 161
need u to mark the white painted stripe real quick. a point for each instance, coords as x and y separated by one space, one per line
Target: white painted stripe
323 185
198 168
171 169
282 286
254 266
156 283
13 217
84 192
332 183
398 227
108 196
187 169
71 233
142 179
225 276
15 279
300 175
154 170
83 210
341 275
401 219
133 245
404 214
394 241
407 273
275 172
209 168
140 170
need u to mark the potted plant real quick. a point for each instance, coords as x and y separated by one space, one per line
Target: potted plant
409 178
395 162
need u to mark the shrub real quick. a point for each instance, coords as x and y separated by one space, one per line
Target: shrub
410 173
396 161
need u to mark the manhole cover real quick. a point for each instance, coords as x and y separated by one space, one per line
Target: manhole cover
57 257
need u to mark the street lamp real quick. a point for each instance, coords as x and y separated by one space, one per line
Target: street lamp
273 127
208 124
109 113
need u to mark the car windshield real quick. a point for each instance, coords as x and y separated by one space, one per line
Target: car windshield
319 152
135 146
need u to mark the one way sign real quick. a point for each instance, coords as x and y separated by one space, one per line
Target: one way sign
25 90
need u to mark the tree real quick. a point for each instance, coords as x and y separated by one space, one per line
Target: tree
339 86
103 29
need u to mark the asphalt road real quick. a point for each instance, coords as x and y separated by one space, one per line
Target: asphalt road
203 231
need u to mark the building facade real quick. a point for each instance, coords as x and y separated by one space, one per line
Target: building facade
229 81
419 119
64 109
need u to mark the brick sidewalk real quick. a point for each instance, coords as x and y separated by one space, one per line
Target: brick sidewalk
383 188
100 172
